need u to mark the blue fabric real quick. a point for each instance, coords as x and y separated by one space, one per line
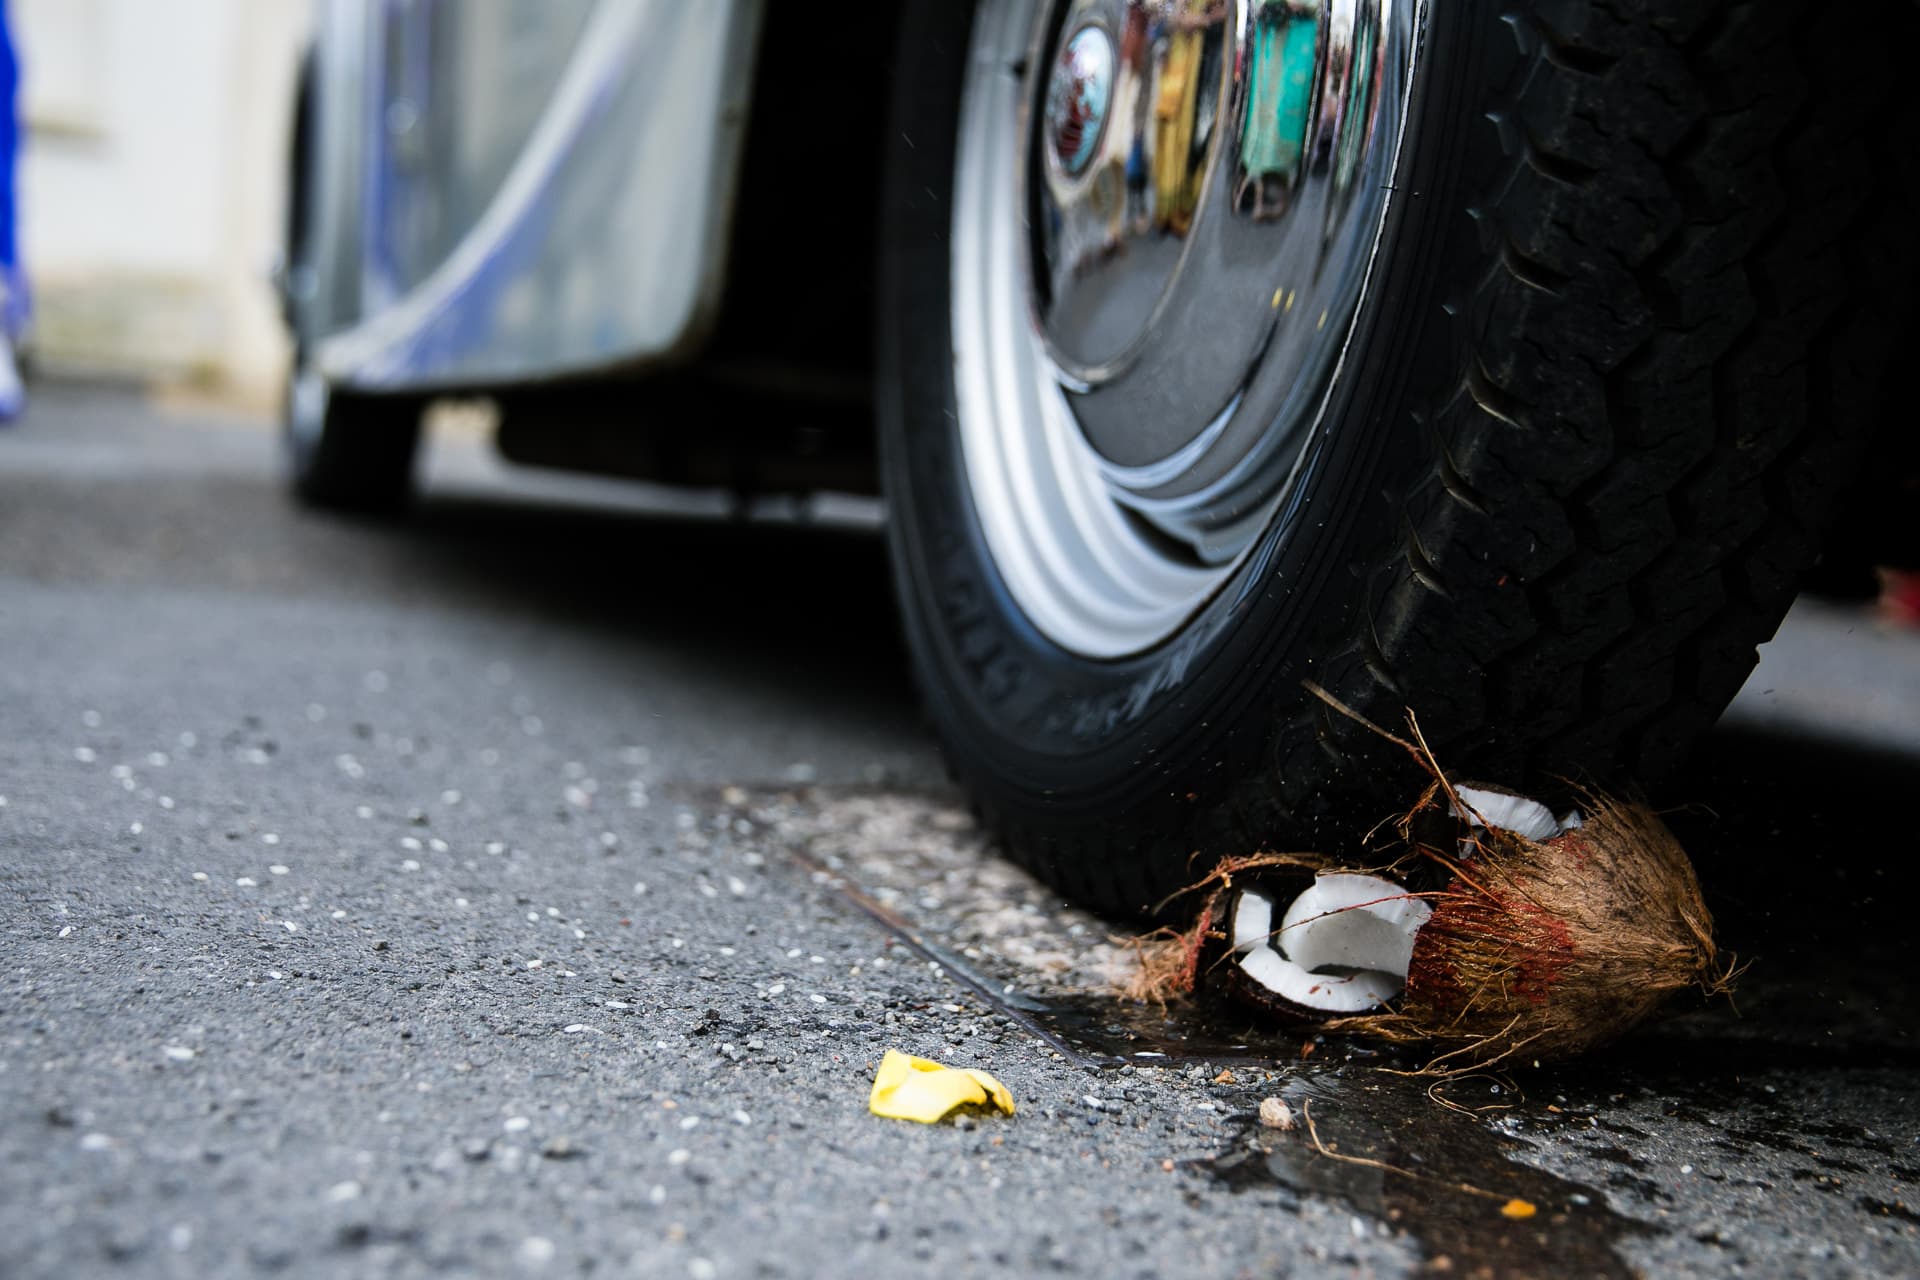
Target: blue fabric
9 143
16 300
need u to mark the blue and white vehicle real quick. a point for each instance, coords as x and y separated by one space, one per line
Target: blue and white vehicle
1498 363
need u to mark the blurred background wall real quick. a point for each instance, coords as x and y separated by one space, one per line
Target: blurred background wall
151 185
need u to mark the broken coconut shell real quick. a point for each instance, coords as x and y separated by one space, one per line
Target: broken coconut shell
1543 947
1343 945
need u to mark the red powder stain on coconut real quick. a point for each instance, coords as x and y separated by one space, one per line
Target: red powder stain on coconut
1572 847
1476 938
1546 954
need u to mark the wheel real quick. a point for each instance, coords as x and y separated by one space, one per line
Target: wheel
349 452
346 451
1497 364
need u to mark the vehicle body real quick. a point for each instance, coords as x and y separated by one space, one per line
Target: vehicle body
490 206
1451 360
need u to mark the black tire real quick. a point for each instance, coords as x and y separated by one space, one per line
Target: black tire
356 454
1633 321
345 451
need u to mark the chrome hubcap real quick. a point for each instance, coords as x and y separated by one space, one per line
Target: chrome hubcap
1162 241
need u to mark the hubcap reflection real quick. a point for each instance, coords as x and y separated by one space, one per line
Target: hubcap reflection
1162 243
1077 98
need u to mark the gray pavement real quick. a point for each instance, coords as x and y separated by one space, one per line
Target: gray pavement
532 886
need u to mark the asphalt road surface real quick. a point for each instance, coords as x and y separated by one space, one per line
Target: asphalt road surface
532 886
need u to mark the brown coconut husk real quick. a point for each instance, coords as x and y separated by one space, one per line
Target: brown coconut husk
1535 950
1546 950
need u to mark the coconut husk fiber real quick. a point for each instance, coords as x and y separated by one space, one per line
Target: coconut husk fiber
1549 949
1535 949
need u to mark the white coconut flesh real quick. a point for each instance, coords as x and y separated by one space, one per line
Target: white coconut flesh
1504 811
1343 945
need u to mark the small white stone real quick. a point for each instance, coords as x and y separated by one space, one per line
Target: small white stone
518 1124
290 926
96 1142
136 828
245 882
657 1196
158 759
200 876
180 1239
337 914
66 931
410 843
269 837
580 1028
409 864
178 1053
84 755
166 802
278 869
679 1156
340 1192
537 1251
449 796
741 1117
701 1269
736 886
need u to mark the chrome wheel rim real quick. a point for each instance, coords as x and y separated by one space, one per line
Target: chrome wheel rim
1166 216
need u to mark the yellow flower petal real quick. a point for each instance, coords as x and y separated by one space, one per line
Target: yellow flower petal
919 1089
1517 1209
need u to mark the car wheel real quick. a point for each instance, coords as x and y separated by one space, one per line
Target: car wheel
348 451
1493 363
